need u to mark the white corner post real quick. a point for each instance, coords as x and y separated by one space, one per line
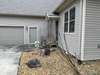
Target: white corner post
83 28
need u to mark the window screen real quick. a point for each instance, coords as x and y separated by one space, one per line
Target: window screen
69 21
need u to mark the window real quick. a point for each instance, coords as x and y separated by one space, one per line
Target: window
72 20
69 23
66 22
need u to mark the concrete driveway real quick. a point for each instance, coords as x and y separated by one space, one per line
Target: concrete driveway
9 60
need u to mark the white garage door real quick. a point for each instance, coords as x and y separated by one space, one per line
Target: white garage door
11 35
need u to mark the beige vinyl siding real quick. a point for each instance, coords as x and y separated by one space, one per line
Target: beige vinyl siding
92 30
73 39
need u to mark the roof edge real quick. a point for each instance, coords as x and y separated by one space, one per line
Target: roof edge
22 15
62 6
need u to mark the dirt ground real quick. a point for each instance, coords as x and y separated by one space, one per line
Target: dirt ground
55 64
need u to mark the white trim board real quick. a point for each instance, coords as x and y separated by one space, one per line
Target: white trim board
83 28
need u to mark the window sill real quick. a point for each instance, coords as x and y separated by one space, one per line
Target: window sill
69 33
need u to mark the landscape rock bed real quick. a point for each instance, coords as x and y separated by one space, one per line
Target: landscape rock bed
55 64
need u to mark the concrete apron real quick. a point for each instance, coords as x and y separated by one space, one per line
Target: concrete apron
9 61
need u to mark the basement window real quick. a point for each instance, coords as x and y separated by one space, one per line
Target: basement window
69 23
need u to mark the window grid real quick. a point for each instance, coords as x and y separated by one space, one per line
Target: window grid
70 21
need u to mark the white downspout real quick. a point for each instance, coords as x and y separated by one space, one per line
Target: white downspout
83 10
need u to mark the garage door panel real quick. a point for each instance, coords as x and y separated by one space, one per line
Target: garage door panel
11 35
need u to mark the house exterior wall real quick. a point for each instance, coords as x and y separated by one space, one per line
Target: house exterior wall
52 28
73 39
40 23
92 30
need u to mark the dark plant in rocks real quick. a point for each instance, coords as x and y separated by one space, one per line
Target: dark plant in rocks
34 63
